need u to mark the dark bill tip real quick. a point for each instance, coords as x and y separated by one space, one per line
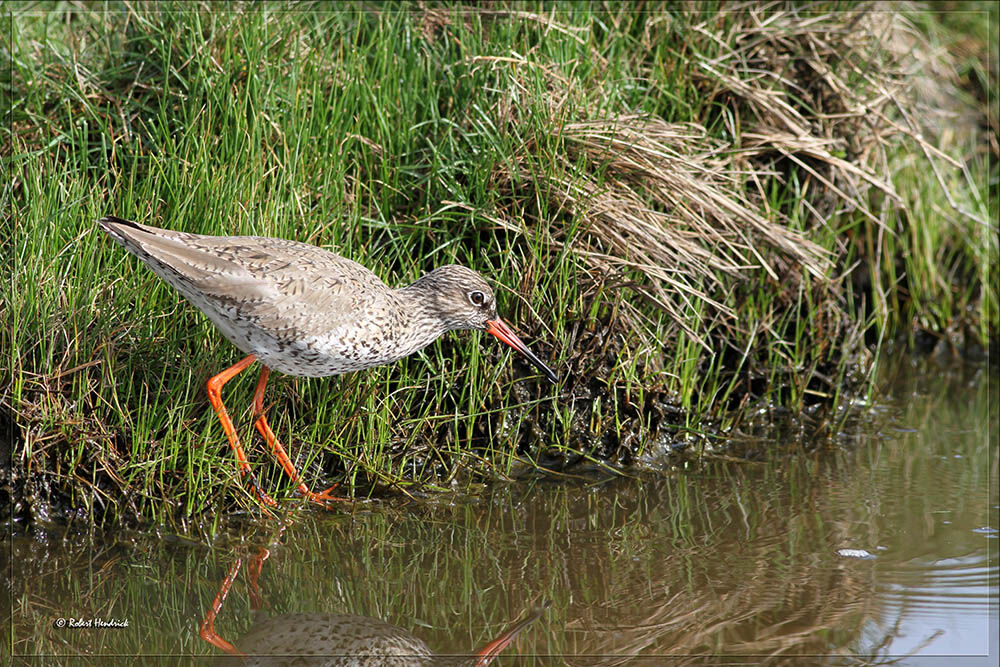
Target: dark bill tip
499 329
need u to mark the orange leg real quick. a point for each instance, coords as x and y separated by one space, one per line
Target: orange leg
207 631
215 396
260 421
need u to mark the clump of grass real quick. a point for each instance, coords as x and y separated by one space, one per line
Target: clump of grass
690 213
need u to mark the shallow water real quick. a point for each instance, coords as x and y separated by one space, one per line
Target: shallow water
879 542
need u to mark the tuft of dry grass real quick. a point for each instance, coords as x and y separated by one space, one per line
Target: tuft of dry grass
680 215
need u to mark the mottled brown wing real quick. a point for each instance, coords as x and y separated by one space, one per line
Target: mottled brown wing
279 284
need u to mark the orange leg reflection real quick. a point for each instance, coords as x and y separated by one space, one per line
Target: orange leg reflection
207 631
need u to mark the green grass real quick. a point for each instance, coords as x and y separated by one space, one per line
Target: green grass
405 139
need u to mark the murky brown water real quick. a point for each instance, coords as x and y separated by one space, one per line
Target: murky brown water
882 543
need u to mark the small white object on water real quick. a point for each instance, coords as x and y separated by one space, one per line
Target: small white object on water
855 553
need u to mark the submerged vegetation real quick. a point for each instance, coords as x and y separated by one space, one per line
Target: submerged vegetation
691 215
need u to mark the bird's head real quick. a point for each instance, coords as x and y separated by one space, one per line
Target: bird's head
461 299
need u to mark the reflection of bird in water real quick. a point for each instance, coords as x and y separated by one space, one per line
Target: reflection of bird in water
342 640
335 639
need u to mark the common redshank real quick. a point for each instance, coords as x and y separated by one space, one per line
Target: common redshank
336 639
331 639
303 310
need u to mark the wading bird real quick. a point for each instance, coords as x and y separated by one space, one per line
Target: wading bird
303 310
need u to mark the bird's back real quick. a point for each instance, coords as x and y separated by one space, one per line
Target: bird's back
331 640
301 309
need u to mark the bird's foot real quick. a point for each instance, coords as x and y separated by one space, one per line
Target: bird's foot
324 497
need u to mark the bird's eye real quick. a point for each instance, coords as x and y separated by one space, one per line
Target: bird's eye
477 298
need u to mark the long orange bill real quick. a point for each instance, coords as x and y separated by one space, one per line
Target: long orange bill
499 329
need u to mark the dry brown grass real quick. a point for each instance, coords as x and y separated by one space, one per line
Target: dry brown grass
681 216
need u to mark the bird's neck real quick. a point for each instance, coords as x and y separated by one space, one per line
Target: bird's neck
422 323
